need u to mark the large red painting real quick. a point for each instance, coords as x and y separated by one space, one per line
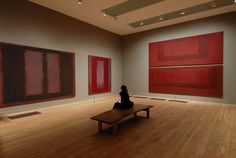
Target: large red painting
188 66
99 74
198 81
195 50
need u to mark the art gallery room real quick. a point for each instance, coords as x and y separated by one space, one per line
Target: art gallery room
117 79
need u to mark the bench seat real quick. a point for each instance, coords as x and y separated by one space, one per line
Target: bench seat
114 116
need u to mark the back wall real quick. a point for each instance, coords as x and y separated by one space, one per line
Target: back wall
25 23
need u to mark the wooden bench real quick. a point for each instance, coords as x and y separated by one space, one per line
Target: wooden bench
113 117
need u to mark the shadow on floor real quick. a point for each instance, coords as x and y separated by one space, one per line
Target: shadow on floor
126 125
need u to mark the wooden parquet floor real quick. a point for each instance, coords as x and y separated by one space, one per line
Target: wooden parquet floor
174 130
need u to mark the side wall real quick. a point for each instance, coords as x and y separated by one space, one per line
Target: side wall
26 23
135 55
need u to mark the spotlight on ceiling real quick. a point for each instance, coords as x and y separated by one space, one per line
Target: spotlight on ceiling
79 2
182 13
161 18
213 5
104 14
141 23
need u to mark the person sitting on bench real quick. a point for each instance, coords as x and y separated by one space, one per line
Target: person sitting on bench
124 103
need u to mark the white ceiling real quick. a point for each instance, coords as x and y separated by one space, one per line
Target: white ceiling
90 12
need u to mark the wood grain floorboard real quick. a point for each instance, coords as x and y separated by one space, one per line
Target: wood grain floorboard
174 130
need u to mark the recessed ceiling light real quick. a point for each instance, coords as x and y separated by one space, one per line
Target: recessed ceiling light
182 13
79 2
104 14
161 18
141 23
213 5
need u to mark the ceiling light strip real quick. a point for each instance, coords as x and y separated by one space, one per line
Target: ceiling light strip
128 6
183 12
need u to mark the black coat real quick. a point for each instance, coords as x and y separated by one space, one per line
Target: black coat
124 97
125 102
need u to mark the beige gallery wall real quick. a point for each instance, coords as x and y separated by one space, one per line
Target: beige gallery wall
135 55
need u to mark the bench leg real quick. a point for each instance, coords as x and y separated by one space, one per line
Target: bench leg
148 113
114 129
99 126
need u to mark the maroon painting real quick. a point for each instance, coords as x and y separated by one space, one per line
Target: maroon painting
99 74
197 81
195 50
29 75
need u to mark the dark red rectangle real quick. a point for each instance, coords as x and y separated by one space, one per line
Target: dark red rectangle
99 75
33 73
197 81
195 50
53 73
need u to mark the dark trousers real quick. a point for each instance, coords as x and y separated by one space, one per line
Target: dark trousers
119 105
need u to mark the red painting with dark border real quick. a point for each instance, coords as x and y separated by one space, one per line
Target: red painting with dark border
194 50
197 81
99 74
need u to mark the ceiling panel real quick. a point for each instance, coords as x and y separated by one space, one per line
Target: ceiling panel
128 6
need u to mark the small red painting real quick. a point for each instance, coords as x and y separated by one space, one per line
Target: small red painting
99 74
